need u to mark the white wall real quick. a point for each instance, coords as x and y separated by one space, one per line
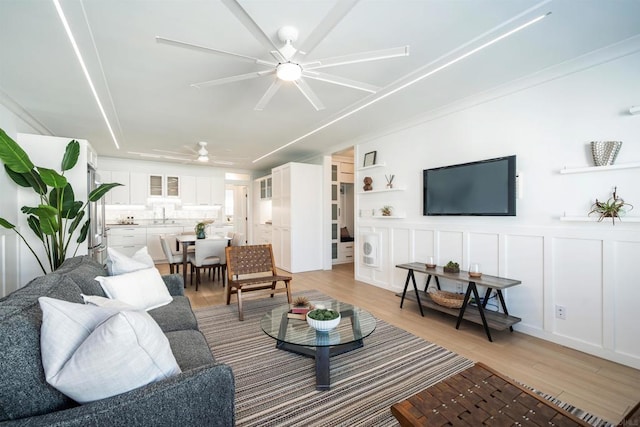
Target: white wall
548 122
9 210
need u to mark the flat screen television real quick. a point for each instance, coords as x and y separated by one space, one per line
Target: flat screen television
484 188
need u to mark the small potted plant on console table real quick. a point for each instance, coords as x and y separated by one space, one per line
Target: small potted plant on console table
451 267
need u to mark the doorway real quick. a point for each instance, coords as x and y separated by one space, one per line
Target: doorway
342 207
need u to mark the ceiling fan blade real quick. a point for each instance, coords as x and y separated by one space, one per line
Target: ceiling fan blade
342 81
268 95
327 24
250 24
309 94
375 55
231 79
198 47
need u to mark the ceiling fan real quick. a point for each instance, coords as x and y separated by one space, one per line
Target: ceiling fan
200 155
289 64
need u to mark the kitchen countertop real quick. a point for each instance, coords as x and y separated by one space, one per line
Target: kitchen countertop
168 224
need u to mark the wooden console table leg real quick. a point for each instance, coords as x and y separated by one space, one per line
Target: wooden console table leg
472 288
504 305
412 277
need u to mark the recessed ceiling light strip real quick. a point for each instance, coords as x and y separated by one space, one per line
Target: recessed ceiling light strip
409 83
84 69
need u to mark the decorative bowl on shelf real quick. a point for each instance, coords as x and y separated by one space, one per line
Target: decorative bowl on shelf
323 320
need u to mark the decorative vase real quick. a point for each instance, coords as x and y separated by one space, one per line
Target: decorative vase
201 234
605 152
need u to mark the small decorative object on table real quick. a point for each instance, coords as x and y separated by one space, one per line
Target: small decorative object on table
605 152
323 320
299 309
431 263
200 228
474 270
451 267
390 180
612 208
367 183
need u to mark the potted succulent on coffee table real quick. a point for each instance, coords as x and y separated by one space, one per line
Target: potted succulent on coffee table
322 319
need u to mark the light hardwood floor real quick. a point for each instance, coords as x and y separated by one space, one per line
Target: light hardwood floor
603 388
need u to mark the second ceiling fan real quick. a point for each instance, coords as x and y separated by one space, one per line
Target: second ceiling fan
289 64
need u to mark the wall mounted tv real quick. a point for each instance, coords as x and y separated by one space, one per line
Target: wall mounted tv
484 188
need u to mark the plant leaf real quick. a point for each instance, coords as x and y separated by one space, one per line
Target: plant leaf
48 219
34 179
29 210
52 178
34 225
76 221
17 177
83 232
68 208
102 189
6 224
13 155
71 154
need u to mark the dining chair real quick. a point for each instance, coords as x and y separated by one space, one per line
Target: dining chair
207 254
237 239
173 258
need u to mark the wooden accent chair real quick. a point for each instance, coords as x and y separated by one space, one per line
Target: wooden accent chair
252 269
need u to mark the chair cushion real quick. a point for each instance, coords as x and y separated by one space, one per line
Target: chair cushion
91 353
211 260
143 289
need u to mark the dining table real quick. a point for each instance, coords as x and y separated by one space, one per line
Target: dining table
190 239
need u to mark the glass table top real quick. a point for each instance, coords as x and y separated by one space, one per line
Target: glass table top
355 324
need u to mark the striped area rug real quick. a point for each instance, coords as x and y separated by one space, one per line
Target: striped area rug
277 388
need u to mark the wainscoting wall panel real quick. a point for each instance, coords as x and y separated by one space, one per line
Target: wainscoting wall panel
593 277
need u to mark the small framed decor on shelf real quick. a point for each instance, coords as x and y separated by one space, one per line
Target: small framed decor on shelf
370 159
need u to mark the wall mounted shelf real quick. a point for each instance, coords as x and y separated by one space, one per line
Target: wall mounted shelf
595 219
365 168
600 168
388 216
384 190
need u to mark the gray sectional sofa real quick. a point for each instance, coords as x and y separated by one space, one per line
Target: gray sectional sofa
203 394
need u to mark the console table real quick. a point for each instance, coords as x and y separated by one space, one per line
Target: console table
486 318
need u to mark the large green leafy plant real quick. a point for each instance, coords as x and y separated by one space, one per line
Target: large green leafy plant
59 214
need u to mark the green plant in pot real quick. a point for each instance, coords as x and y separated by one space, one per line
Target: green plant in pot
452 267
612 208
59 214
201 229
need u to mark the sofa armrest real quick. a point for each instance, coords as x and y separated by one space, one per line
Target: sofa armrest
202 396
174 284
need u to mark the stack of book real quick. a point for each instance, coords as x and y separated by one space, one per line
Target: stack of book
298 313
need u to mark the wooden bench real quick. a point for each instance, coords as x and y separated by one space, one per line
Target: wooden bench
252 269
480 396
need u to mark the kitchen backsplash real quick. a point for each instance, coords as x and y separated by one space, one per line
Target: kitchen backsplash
164 213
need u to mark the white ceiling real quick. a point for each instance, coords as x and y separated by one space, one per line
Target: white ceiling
145 86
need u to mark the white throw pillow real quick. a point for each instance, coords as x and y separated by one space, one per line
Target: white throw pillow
91 353
119 263
142 289
107 302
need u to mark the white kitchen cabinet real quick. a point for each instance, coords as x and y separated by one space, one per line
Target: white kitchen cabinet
138 188
163 185
120 194
188 190
127 240
217 189
297 217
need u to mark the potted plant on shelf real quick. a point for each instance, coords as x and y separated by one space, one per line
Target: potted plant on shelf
58 214
451 267
386 210
612 208
201 228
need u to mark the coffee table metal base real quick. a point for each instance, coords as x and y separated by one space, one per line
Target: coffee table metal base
322 354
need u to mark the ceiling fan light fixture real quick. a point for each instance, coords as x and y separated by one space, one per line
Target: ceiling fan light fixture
203 158
288 71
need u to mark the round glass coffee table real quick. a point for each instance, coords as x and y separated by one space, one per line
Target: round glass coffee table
297 336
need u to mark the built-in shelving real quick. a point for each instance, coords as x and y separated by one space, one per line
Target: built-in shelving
383 190
595 219
378 165
600 168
